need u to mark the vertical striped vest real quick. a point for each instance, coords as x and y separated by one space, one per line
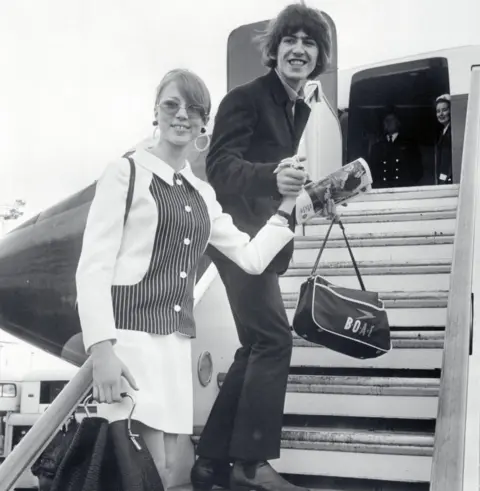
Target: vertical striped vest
162 302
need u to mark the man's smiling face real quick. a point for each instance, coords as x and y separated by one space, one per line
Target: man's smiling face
296 57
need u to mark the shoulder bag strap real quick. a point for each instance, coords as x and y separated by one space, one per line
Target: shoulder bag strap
315 266
357 271
131 186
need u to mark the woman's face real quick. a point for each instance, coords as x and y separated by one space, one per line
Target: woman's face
443 113
179 122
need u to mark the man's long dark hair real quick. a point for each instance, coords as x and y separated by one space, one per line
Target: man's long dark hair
289 21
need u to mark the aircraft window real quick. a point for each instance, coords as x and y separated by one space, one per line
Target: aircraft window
8 390
49 390
408 90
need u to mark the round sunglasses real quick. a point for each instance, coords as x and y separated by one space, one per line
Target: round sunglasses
194 111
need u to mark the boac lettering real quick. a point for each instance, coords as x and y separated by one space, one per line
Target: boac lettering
363 328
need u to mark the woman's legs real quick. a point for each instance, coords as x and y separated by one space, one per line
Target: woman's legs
170 441
162 446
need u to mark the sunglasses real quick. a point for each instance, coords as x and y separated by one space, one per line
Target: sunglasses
194 111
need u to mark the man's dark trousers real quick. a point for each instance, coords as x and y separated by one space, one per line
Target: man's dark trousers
246 419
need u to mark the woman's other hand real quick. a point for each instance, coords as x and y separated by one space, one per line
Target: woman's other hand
107 373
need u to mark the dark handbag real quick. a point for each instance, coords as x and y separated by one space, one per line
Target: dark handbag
106 457
38 263
46 465
348 321
133 465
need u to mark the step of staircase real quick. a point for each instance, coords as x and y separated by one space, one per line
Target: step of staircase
391 275
414 353
370 247
353 453
384 221
321 483
369 214
361 397
400 340
428 203
404 309
416 193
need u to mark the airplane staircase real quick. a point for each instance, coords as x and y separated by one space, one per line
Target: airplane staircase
369 425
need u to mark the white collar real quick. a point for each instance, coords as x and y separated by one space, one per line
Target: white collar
161 169
310 91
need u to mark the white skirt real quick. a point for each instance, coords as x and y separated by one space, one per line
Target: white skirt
162 367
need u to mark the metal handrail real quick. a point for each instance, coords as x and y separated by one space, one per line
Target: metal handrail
449 447
44 430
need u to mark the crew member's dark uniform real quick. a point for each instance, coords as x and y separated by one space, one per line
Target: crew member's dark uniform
396 163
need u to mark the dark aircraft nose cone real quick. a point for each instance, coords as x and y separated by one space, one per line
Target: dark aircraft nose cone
38 261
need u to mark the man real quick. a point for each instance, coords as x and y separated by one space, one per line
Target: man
258 127
395 161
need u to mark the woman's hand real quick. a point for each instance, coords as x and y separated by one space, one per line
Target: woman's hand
107 373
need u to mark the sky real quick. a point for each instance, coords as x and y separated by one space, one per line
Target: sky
78 76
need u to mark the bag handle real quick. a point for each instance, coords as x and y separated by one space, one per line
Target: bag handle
132 436
315 266
357 271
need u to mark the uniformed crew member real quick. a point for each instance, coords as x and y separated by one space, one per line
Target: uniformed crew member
395 160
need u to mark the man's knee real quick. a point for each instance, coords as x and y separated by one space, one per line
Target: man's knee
277 343
285 341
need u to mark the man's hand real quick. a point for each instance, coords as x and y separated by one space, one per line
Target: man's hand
295 162
291 176
290 181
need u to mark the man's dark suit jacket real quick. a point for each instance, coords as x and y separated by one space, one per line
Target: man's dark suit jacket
254 130
395 164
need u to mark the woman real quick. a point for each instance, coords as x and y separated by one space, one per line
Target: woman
443 146
135 283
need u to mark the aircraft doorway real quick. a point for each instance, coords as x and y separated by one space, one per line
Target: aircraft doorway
392 121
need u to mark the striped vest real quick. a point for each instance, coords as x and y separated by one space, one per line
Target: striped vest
162 302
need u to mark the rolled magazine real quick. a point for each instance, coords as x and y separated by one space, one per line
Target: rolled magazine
340 186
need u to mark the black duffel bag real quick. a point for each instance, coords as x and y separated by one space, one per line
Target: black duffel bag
352 322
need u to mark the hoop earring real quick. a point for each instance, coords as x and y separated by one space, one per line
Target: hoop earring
156 132
195 143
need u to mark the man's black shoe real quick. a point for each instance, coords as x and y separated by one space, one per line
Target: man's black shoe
258 476
207 473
